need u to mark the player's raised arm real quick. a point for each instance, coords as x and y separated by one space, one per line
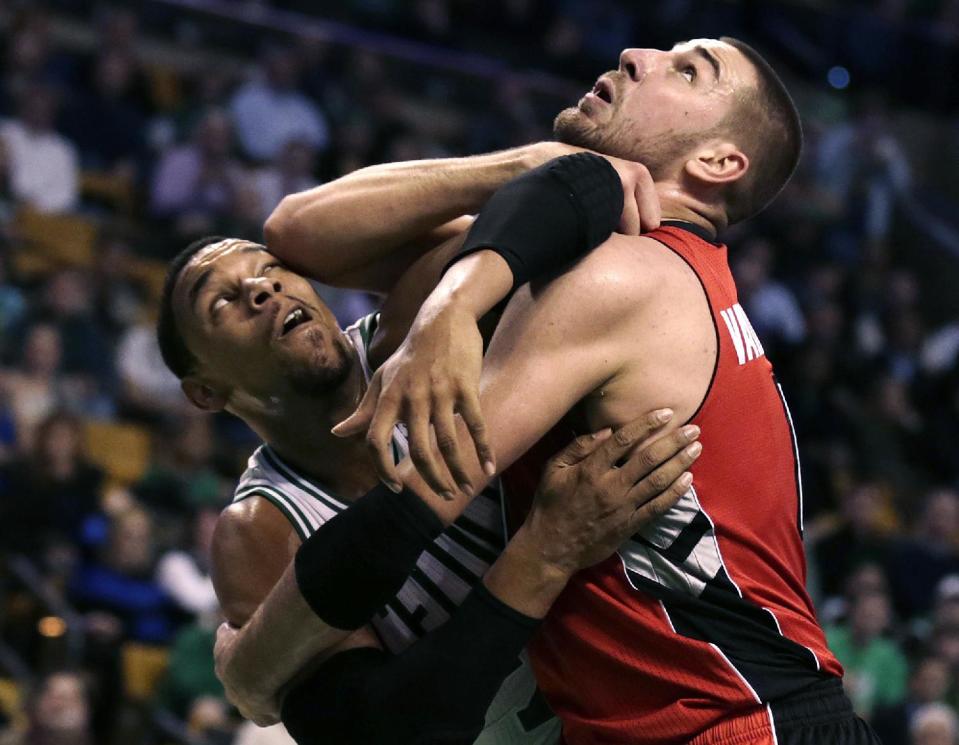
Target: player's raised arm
533 226
365 229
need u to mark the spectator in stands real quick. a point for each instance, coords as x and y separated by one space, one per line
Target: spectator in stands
917 564
148 390
181 478
199 185
875 668
103 118
190 675
41 165
862 168
934 724
68 302
269 112
887 435
59 713
185 574
48 494
929 683
13 303
119 583
36 386
771 305
28 56
118 295
294 170
860 538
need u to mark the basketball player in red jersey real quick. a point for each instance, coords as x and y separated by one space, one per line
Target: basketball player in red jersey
699 630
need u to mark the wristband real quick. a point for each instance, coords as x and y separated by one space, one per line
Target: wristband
437 691
355 563
549 216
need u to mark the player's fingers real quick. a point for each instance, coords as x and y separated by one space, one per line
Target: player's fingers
359 420
650 212
579 449
664 477
469 409
660 505
674 445
632 433
379 440
447 441
421 448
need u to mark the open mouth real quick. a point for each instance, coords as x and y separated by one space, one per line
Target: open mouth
296 317
603 90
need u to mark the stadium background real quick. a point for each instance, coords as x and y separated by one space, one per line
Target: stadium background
127 130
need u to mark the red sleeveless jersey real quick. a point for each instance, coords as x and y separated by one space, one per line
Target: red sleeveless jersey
704 614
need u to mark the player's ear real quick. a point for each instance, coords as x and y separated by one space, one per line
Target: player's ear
203 394
718 163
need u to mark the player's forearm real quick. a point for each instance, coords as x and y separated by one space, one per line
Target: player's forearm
523 580
475 285
280 639
376 212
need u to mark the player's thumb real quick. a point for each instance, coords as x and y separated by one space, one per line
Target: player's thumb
359 420
581 448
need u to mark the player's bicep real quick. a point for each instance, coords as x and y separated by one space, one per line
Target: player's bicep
252 546
546 355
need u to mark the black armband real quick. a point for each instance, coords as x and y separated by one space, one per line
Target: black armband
549 216
355 563
437 691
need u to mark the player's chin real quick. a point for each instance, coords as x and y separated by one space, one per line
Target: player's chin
573 126
317 360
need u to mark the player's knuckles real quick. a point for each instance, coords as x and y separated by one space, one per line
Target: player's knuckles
446 443
658 481
623 437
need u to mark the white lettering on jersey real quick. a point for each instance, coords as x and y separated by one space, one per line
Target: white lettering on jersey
744 338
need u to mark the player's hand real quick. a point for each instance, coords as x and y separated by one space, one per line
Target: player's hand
432 377
641 208
602 488
259 707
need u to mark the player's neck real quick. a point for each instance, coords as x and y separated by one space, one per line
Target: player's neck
299 431
679 204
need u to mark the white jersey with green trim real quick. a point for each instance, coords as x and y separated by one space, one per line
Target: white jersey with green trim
440 582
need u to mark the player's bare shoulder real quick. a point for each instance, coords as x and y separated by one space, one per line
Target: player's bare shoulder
253 543
622 274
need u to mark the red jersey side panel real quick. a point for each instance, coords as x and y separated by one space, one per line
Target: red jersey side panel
703 614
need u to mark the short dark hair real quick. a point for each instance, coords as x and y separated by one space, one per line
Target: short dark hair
173 348
774 144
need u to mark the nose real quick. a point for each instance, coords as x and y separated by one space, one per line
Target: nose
634 62
259 290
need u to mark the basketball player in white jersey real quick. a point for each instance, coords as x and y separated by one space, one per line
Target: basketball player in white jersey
229 303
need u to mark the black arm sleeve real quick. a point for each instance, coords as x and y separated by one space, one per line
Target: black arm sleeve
435 692
549 216
356 562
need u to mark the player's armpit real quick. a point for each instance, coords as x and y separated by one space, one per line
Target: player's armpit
253 544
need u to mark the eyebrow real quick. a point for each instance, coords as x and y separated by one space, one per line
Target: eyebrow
709 57
194 292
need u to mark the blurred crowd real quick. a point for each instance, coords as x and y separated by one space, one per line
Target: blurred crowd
125 134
